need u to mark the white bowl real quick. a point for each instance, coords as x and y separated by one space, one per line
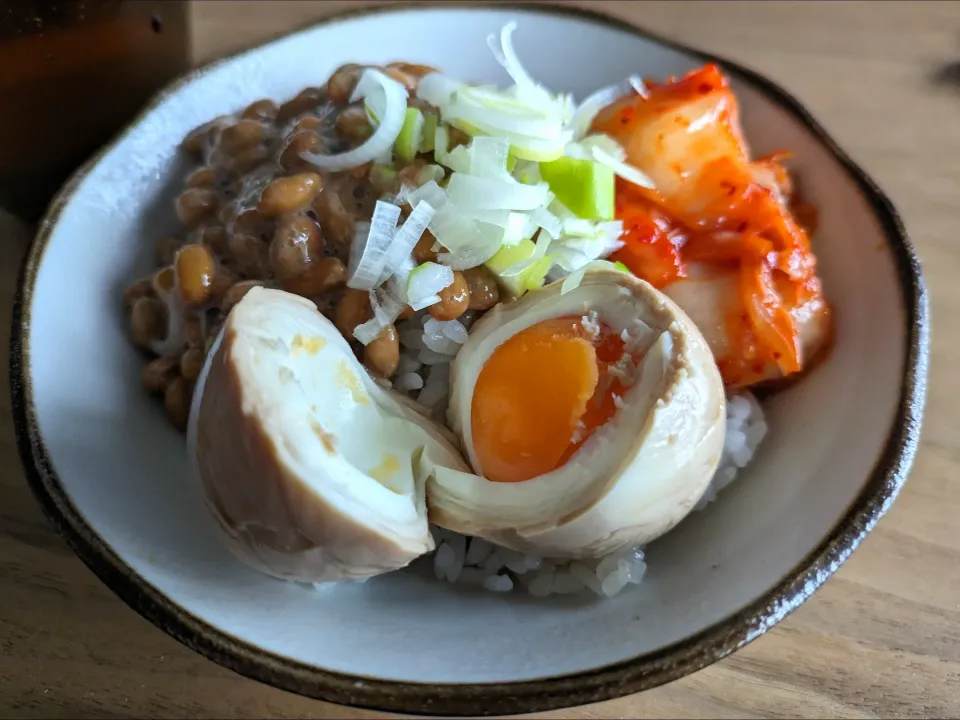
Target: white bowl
113 476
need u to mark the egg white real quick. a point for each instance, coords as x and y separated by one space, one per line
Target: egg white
637 476
313 471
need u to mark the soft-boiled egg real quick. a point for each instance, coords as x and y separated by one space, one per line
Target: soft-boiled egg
312 470
593 419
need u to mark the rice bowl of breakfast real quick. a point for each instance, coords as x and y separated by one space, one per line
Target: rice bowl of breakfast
550 313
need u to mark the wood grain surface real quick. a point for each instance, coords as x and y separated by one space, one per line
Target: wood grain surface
880 639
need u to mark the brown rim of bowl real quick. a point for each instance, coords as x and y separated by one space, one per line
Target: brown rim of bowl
604 683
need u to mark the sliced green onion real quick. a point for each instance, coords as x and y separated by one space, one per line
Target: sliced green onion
476 252
429 133
369 251
621 168
526 171
539 150
573 280
384 179
526 89
607 151
457 159
579 228
472 191
488 157
430 173
516 267
425 282
393 95
601 141
411 135
373 113
588 109
518 227
507 257
436 88
441 141
571 252
561 211
431 193
508 121
456 231
537 273
534 120
585 187
545 219
405 238
386 308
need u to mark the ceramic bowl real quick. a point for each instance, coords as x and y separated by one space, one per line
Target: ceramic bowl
113 476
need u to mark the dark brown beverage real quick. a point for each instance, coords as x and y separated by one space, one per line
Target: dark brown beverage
71 74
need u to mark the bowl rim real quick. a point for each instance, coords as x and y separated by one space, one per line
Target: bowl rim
636 674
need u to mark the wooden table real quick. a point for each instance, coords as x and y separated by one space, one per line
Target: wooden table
882 638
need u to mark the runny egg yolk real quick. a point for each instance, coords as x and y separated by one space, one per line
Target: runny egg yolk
541 395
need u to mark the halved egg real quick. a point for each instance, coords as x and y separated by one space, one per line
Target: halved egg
593 419
312 471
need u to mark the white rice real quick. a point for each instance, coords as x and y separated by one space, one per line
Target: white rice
746 428
474 561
